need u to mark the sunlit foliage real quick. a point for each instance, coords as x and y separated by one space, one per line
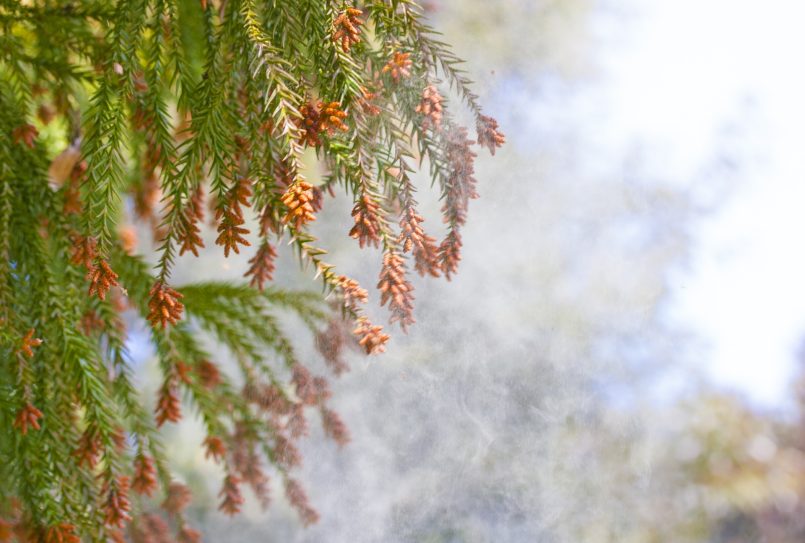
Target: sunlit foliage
171 108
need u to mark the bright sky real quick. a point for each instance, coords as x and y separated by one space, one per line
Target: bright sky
683 70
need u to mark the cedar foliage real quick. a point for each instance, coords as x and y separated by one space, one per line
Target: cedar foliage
167 107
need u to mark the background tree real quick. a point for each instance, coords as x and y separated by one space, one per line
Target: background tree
166 110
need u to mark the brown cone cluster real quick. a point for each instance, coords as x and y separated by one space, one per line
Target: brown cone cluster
25 134
299 500
283 177
229 216
296 424
334 427
183 372
189 232
310 390
27 344
371 337
367 102
88 449
27 417
145 475
84 250
164 305
208 374
269 398
149 528
488 134
239 194
298 199
188 535
261 269
169 407
119 438
330 343
117 505
101 278
450 253
248 464
461 177
414 239
320 117
59 533
396 290
286 453
367 227
215 448
399 66
347 28
430 107
231 498
352 292
459 191
177 498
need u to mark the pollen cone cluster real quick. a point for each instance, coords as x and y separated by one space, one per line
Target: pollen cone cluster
164 305
320 117
117 506
347 28
414 239
488 134
26 417
215 448
88 449
366 229
25 135
101 279
430 107
230 217
396 290
399 66
261 269
177 498
299 201
450 253
28 343
145 475
169 407
189 231
61 533
352 292
370 336
231 498
299 500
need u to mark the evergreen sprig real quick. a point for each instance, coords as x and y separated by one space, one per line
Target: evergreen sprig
123 113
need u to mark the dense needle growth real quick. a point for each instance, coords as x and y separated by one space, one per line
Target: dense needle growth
171 113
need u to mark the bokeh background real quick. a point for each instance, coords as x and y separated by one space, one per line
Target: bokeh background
618 359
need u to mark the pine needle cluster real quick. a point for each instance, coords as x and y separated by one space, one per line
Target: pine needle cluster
160 109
